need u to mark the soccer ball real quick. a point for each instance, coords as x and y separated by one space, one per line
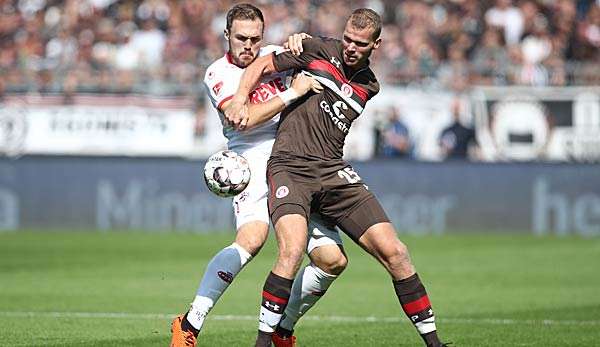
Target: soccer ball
227 173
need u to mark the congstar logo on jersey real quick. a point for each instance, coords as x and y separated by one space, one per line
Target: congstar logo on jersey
336 115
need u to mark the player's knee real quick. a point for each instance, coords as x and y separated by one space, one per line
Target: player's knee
337 266
333 265
397 255
252 236
252 244
254 247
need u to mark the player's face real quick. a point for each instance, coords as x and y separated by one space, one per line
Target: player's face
245 39
358 45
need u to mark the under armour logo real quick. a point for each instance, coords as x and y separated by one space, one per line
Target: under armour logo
335 62
272 307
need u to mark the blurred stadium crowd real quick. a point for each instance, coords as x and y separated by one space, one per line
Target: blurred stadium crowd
66 50
163 46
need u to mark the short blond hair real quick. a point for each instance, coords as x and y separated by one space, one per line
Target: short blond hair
366 18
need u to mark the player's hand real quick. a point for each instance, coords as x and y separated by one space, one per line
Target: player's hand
244 121
294 43
235 113
303 83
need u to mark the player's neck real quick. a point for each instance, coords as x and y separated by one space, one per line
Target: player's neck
352 71
232 61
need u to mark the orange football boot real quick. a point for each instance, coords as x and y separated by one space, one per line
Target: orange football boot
181 338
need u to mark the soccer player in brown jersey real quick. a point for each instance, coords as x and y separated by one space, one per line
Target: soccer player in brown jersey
244 34
306 170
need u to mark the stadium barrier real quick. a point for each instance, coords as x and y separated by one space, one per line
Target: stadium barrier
160 194
512 123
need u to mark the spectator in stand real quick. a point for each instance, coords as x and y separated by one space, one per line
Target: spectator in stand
490 59
535 49
394 136
508 18
588 34
530 11
458 142
125 59
149 44
391 58
421 55
587 45
61 51
454 72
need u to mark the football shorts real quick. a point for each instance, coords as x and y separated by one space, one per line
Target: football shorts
251 204
332 189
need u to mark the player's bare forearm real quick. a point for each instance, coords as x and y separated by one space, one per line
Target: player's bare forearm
256 114
260 113
301 84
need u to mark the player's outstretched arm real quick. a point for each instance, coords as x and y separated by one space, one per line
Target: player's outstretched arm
236 111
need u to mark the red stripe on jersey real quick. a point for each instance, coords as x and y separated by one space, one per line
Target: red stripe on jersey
274 298
228 56
417 306
324 65
224 101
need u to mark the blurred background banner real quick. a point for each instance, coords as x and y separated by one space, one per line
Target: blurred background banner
97 125
488 116
510 124
168 194
550 124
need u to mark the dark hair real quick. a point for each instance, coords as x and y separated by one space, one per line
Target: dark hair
365 17
243 11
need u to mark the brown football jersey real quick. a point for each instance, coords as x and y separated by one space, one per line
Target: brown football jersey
316 125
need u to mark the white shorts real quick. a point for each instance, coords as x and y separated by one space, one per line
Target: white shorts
320 235
251 204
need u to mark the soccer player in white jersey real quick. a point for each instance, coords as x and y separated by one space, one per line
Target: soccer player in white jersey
253 139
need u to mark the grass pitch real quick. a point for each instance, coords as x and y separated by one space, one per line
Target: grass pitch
121 289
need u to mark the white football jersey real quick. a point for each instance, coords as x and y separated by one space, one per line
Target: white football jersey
222 79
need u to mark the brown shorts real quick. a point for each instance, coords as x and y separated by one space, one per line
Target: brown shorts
332 189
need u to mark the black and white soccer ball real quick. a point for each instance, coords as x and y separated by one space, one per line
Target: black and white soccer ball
227 173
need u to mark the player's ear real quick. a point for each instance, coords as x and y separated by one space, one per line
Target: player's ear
377 43
226 34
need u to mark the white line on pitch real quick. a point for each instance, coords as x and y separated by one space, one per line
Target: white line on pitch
351 319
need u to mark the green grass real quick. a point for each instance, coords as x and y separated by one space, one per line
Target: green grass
487 290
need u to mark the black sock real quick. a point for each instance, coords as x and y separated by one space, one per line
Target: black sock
284 333
275 296
263 339
415 303
186 326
